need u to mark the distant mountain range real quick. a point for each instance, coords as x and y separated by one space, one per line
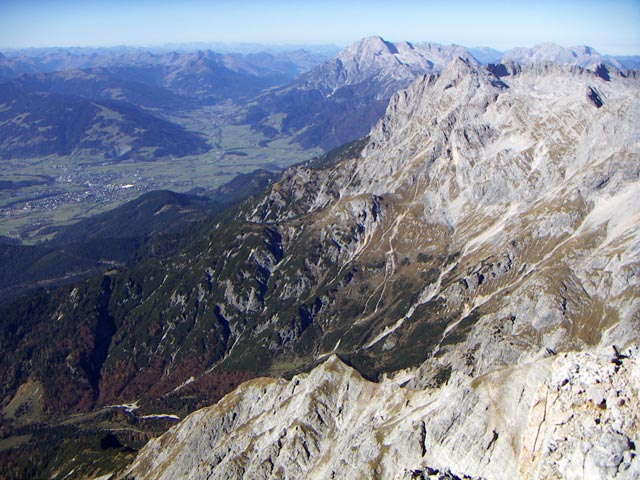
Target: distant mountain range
37 123
206 75
95 101
107 105
582 56
288 64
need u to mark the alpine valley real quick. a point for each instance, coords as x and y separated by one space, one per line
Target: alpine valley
453 293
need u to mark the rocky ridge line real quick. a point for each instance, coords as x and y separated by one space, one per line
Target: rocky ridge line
574 415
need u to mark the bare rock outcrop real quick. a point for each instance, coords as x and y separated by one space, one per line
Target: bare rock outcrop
576 415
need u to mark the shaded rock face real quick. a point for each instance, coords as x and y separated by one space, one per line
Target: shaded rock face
571 416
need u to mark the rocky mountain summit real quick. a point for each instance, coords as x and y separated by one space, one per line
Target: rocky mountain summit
341 99
389 64
479 258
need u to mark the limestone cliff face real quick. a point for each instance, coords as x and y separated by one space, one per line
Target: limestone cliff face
575 415
515 199
486 242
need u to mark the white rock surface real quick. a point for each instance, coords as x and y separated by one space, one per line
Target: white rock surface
576 415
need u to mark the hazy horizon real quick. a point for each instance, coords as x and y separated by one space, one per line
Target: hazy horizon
610 28
329 49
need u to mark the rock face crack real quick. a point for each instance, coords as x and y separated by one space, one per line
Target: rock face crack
594 96
493 440
423 438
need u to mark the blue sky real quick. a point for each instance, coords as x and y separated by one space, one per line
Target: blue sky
611 26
